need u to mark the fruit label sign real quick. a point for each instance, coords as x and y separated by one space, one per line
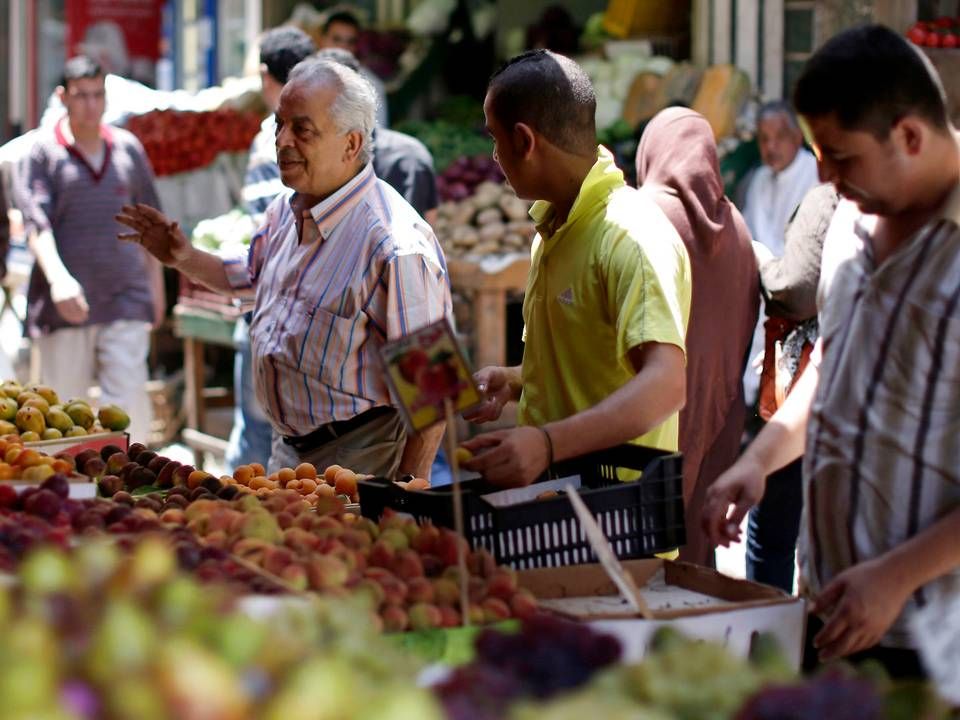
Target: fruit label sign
426 369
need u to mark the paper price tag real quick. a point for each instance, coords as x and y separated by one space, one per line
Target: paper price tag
601 546
425 370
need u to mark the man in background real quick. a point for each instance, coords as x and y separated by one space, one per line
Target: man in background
342 30
92 299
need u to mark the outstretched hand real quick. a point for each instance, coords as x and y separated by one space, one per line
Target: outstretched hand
158 235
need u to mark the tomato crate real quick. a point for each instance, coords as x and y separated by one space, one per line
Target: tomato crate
639 517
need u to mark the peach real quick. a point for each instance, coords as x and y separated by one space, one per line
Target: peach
276 558
449 617
446 591
495 610
425 541
381 555
295 575
523 604
407 565
419 589
424 616
397 539
327 572
395 618
173 516
502 584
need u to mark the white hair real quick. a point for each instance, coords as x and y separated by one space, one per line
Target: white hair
355 107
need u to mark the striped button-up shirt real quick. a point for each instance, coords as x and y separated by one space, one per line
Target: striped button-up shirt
883 446
368 269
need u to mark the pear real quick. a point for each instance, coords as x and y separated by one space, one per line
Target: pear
57 418
8 408
113 417
81 414
30 419
11 388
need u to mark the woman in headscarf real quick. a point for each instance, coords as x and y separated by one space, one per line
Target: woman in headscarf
677 165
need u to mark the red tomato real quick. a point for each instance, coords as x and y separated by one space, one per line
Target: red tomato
949 41
917 35
933 40
943 22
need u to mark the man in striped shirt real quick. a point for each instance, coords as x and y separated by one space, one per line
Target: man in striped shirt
341 266
877 413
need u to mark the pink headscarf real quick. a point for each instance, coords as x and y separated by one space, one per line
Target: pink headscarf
677 165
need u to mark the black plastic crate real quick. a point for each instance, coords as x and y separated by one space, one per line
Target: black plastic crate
639 518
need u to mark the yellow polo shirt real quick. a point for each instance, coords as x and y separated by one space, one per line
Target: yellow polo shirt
614 276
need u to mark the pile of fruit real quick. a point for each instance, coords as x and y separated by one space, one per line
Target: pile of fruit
35 412
103 633
493 221
26 464
140 469
177 141
944 32
408 571
549 656
465 174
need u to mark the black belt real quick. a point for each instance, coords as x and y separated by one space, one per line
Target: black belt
333 430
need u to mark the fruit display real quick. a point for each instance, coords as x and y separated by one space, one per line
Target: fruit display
35 412
686 679
547 657
334 481
177 141
113 634
493 221
944 32
26 464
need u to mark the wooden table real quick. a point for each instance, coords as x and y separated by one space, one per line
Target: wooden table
198 327
489 294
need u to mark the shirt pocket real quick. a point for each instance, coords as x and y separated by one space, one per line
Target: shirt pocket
328 346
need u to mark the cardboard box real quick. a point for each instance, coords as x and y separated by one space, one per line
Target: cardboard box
76 445
694 600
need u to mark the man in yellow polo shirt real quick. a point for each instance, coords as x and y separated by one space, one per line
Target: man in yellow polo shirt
608 295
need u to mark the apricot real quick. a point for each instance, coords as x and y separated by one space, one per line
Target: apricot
258 469
345 482
7 472
324 490
259 483
306 470
243 474
307 486
196 478
330 474
285 475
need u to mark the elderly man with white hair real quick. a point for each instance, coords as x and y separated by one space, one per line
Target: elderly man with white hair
339 267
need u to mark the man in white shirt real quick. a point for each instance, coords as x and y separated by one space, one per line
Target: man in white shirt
774 191
788 172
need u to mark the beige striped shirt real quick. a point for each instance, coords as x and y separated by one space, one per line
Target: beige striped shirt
368 270
883 445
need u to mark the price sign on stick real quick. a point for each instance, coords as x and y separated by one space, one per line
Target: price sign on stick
601 546
432 382
425 370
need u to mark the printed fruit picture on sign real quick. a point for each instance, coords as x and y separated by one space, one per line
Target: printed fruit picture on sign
425 369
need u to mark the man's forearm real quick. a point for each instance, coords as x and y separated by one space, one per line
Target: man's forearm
928 555
206 269
783 438
44 248
420 451
655 393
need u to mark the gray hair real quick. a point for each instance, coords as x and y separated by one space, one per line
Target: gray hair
355 107
776 108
